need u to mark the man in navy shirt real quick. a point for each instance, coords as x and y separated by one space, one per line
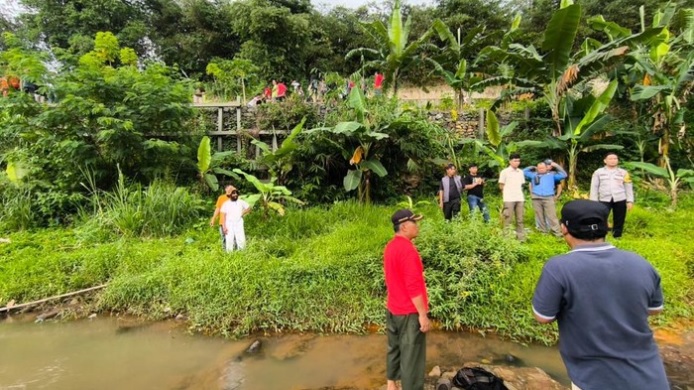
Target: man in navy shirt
601 297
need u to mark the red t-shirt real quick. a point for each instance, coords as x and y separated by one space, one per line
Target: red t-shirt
378 81
404 276
281 89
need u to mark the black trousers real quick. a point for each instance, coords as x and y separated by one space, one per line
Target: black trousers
619 214
451 208
407 347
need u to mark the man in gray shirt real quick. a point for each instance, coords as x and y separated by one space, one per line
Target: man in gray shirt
612 187
601 297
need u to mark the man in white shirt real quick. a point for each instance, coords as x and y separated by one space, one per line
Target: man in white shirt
612 186
232 213
511 181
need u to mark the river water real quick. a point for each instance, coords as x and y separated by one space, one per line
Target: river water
113 353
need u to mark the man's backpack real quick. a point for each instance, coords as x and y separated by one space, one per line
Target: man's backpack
477 378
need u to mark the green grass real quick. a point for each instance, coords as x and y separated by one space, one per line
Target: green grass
320 269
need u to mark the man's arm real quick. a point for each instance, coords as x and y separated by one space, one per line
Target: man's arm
214 216
547 298
528 173
595 186
629 189
424 323
559 188
561 173
224 222
502 180
470 186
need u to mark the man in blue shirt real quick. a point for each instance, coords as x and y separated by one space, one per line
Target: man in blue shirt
601 297
543 182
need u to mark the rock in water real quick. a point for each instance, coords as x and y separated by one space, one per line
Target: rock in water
254 348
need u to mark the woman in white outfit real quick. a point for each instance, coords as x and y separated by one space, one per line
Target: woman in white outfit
233 211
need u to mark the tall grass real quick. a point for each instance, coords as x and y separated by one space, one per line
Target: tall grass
318 269
17 209
160 209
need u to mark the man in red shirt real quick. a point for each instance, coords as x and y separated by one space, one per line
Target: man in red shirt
281 91
406 317
378 84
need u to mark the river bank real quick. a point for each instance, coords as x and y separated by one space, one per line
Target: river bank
320 270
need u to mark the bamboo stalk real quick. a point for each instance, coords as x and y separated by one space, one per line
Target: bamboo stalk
28 304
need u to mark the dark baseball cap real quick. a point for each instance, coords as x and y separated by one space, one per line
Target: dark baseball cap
405 215
585 217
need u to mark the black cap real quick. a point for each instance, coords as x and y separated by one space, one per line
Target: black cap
404 215
584 218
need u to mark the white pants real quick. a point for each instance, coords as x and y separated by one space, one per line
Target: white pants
235 235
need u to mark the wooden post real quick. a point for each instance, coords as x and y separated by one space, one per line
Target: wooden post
480 135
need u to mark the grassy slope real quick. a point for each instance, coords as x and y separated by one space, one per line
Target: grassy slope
320 270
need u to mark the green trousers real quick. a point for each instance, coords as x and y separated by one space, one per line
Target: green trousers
406 351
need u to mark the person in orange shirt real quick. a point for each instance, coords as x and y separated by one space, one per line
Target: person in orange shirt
218 206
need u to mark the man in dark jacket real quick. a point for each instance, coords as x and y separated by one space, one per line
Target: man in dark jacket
450 193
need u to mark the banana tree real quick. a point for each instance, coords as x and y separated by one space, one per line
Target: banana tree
674 179
497 147
364 159
583 118
553 73
281 161
453 65
270 196
662 75
394 52
209 164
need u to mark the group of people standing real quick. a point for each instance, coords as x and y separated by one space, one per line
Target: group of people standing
600 296
610 185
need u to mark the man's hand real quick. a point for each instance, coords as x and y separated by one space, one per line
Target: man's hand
212 221
424 323
440 205
225 230
630 205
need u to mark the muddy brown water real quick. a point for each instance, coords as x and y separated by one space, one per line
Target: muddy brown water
116 353
112 353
